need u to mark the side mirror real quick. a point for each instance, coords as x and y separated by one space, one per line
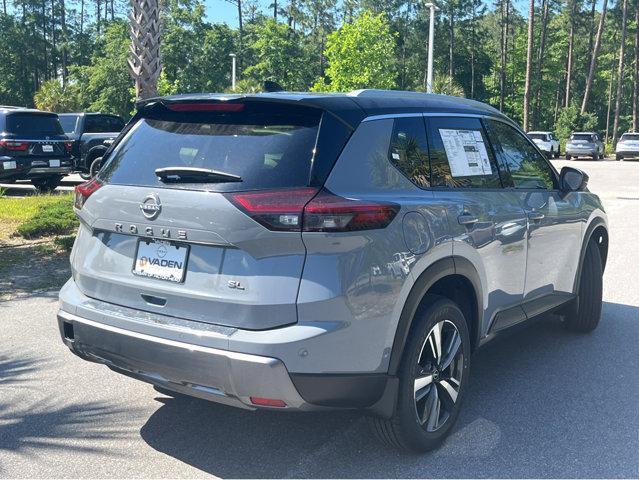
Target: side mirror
572 180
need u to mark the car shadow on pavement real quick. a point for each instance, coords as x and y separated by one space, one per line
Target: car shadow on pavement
542 402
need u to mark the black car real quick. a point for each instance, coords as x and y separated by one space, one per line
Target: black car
91 133
33 147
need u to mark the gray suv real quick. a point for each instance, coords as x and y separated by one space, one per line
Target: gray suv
292 251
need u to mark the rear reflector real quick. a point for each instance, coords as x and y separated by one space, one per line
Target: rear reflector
12 146
312 210
205 107
267 402
84 191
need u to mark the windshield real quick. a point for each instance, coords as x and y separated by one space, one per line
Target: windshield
581 136
538 136
69 123
265 150
630 137
33 124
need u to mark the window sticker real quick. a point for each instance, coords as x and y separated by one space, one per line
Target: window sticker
466 152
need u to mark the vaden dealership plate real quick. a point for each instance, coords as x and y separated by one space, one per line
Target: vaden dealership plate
162 260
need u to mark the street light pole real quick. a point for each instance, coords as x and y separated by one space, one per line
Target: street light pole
431 40
233 59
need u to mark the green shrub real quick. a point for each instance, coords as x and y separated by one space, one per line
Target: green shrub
52 218
65 242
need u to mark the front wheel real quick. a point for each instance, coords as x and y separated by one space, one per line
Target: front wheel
46 184
432 379
586 313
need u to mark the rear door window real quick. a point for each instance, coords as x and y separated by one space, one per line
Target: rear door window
69 123
524 167
33 124
267 150
460 156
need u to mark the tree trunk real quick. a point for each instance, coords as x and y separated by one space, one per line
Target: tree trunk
503 57
451 44
531 21
4 6
54 66
635 82
571 44
144 60
81 17
593 60
44 41
612 80
275 10
472 50
65 58
540 60
592 24
98 13
624 18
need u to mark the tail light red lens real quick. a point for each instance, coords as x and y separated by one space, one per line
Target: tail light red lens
268 402
68 146
13 146
312 210
84 191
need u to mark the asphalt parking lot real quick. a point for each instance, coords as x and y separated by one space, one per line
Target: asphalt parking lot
541 403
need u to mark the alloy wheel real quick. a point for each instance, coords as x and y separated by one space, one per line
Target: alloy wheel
438 375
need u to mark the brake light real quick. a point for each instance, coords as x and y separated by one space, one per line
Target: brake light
84 191
205 107
68 146
312 210
13 146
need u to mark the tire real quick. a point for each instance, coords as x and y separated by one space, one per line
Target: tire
568 157
85 175
551 154
619 158
558 153
46 184
595 156
405 430
96 164
585 315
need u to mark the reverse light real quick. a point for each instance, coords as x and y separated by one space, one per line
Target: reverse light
313 210
205 107
14 146
84 191
268 402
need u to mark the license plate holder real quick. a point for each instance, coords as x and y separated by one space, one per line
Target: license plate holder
9 165
47 148
161 260
54 163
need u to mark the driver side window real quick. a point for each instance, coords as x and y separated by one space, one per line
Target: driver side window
525 167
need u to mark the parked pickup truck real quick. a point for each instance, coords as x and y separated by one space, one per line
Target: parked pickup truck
91 133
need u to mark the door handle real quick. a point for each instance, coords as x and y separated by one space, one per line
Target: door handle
535 216
467 219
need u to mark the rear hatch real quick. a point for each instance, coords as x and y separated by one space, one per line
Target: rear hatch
188 216
34 135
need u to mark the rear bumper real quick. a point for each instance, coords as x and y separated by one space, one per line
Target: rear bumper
628 153
581 152
194 359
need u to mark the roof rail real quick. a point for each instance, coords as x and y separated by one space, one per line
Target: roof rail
372 92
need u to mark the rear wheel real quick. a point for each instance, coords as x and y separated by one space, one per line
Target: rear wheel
595 156
558 153
584 316
568 157
46 184
95 167
619 157
432 379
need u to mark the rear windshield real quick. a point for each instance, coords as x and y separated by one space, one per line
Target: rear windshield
581 136
630 137
265 150
538 136
33 124
69 123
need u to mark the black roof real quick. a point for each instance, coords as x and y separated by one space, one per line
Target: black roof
9 109
351 107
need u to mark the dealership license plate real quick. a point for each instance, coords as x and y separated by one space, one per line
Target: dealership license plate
54 163
162 260
47 148
9 165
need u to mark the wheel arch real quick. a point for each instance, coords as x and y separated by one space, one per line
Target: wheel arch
93 153
452 277
597 230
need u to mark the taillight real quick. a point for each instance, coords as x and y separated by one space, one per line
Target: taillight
68 146
331 213
311 210
14 146
84 191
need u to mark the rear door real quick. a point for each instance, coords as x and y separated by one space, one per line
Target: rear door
487 222
223 249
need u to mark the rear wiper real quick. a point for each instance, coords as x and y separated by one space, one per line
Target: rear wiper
195 175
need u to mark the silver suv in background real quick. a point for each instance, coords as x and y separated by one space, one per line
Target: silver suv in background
293 251
627 146
546 142
584 144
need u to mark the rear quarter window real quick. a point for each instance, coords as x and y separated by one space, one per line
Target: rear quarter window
268 150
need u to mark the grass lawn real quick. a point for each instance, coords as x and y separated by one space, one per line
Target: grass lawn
36 216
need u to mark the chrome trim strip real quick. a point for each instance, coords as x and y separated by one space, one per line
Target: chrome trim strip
391 115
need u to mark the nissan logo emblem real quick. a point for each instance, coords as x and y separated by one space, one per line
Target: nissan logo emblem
151 206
